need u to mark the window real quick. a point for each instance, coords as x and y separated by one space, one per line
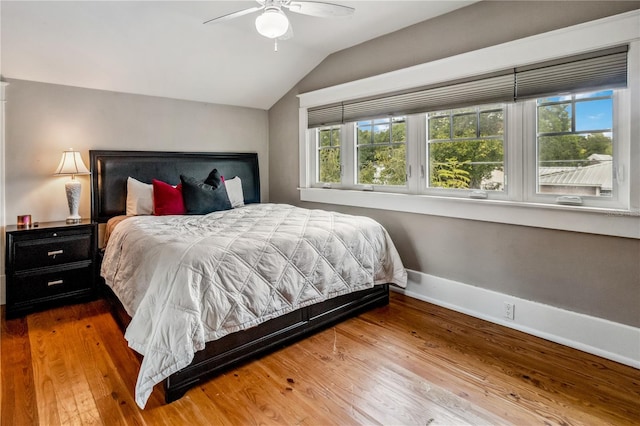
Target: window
329 169
549 140
466 148
575 144
571 151
381 151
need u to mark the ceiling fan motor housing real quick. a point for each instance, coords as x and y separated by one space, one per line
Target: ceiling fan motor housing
272 23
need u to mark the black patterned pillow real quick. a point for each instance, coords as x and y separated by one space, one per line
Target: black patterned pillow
202 198
213 179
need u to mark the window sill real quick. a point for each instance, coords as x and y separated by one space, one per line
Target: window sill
619 223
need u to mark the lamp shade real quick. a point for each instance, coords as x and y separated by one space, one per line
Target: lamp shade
71 164
272 23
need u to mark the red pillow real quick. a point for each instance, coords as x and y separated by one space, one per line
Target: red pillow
167 199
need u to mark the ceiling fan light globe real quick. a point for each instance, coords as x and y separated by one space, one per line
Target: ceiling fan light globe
272 23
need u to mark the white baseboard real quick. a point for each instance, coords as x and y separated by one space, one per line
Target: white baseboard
614 341
608 339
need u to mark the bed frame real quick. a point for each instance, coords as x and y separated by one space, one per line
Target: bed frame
110 170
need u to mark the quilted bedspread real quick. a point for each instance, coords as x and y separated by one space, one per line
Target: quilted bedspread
187 280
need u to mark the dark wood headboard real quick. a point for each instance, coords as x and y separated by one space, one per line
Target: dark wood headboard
110 170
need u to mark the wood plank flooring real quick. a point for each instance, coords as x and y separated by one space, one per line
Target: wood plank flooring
409 363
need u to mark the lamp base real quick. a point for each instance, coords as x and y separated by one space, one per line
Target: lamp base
73 188
74 219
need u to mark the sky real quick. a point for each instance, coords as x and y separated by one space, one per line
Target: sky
594 115
591 115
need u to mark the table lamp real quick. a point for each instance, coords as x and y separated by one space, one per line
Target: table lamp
71 164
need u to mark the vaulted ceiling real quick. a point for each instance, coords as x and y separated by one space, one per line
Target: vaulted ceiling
162 48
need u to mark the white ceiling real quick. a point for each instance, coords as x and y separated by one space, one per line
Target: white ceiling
162 48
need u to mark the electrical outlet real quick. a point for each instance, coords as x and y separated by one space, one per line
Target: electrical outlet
509 311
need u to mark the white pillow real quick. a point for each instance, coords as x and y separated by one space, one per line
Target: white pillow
139 197
234 191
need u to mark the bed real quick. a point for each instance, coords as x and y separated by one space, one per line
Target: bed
238 304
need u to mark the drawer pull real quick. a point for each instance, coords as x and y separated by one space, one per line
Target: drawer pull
56 282
55 253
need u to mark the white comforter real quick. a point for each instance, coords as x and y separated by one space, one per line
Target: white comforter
187 280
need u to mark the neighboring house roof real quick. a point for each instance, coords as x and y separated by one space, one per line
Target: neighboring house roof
599 174
600 157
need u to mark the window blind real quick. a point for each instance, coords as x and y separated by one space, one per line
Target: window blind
585 72
481 91
588 72
324 115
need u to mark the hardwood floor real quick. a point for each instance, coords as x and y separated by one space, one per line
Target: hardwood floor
408 363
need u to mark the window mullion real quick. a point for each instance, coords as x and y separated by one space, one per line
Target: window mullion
573 113
415 153
515 143
622 172
348 151
529 149
312 146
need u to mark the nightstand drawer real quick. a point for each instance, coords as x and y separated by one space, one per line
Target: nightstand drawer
46 252
31 287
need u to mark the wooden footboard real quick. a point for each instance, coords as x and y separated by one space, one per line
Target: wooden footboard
233 349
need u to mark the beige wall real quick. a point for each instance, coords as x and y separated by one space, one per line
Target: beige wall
595 275
42 120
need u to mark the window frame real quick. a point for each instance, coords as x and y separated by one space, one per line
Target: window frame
352 128
349 161
470 192
314 165
621 155
520 208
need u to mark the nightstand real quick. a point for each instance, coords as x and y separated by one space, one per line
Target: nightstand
48 265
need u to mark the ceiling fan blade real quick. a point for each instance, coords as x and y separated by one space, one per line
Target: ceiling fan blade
322 10
234 15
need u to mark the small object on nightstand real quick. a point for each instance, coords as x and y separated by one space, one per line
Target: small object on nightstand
49 264
24 220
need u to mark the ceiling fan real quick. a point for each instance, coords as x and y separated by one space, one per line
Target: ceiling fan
273 23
